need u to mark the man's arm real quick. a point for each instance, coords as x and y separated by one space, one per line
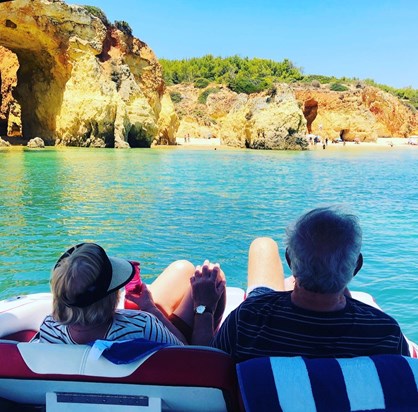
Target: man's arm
225 338
207 288
404 346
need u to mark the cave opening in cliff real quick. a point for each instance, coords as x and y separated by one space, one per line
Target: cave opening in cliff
310 111
31 95
39 93
137 137
343 134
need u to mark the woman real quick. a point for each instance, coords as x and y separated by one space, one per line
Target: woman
85 286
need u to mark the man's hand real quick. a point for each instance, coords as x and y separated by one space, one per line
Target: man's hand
207 286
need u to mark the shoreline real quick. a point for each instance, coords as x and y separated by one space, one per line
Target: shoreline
195 143
213 143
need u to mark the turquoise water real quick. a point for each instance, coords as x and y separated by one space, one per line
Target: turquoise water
158 205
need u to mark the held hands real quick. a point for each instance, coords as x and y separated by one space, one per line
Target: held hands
207 285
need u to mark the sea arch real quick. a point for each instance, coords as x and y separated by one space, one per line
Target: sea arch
310 111
43 67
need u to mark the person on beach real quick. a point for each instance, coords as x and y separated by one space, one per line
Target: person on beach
183 305
310 314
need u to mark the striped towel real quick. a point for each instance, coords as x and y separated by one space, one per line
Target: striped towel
373 384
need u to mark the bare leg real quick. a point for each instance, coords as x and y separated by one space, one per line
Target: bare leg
265 267
169 289
289 283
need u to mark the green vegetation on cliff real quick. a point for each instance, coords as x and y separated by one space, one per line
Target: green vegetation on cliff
98 12
244 75
121 25
241 75
407 94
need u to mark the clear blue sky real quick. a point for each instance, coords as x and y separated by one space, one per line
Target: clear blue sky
375 39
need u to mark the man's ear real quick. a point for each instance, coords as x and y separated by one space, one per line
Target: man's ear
359 264
289 263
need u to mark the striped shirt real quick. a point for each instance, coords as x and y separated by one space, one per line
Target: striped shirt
127 324
271 325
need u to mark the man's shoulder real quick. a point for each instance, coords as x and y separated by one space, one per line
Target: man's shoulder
362 308
273 299
267 297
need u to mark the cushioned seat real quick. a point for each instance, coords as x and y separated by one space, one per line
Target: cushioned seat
181 376
376 383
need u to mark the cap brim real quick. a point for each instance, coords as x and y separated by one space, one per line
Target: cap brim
122 272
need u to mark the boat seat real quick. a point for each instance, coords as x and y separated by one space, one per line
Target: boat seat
376 383
177 376
22 316
21 336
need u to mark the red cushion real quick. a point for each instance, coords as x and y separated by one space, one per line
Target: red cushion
21 336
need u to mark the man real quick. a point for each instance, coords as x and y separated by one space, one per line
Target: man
318 318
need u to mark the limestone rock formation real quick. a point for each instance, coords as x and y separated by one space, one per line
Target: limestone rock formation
255 121
168 121
270 120
3 143
36 143
72 78
10 123
263 121
82 81
364 113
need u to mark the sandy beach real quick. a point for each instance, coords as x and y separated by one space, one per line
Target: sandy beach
382 142
195 141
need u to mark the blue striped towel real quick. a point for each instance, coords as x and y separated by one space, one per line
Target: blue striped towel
373 384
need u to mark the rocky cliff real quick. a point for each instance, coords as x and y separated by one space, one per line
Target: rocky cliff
80 80
268 120
362 112
69 76
10 115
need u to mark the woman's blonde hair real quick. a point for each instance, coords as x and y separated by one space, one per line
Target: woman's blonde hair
73 276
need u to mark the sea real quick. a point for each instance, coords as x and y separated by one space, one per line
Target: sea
159 205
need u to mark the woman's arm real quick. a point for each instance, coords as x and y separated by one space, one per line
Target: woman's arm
145 302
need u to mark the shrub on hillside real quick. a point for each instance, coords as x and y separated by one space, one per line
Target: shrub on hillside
247 84
97 12
203 97
338 87
201 83
176 97
124 27
318 77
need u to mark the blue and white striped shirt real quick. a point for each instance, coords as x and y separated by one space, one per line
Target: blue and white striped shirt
127 324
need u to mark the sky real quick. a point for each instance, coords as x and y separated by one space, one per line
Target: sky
365 39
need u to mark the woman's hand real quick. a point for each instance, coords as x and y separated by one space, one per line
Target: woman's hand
146 303
207 286
143 300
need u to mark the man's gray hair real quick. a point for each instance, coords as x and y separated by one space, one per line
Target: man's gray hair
324 247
